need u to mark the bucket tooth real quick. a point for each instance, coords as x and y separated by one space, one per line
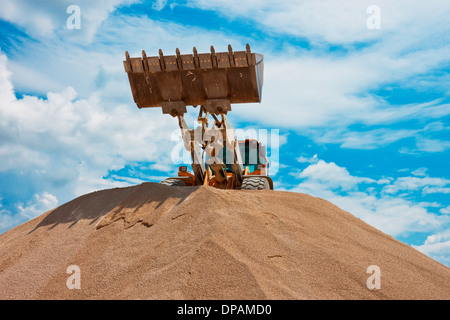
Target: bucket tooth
196 58
161 60
213 57
179 61
145 61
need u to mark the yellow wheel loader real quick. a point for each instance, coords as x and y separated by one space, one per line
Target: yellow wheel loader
211 81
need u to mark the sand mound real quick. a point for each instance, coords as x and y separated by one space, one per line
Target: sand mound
156 242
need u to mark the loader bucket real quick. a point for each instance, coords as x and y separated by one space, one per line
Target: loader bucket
214 80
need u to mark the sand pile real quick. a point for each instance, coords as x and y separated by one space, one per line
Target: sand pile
156 242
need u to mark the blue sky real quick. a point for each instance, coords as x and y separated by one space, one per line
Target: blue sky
362 114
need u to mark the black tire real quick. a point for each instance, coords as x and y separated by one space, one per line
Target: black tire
255 183
173 183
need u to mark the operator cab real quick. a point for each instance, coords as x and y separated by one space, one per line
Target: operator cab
253 155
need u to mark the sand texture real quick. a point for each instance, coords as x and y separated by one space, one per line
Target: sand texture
157 242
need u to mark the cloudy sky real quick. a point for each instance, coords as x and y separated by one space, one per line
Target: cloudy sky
360 96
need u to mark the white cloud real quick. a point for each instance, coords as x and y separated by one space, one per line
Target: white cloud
429 190
159 4
421 172
38 205
163 167
6 87
432 145
445 210
8 220
312 159
45 18
66 145
371 139
332 21
98 67
393 215
426 184
32 208
339 21
26 14
437 246
333 176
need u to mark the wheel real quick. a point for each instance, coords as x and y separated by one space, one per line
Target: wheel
255 183
173 182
